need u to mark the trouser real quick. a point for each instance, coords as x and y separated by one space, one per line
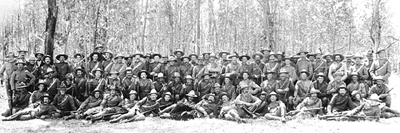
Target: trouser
9 93
387 100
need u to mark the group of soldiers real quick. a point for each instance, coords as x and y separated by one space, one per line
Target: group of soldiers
107 85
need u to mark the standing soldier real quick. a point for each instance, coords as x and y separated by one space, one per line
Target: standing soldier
179 54
272 65
279 56
257 67
233 69
39 58
206 56
6 70
198 70
79 60
223 58
62 67
94 64
337 66
361 69
381 67
128 60
80 81
319 65
194 59
97 83
304 64
265 52
137 65
48 63
118 66
171 68
21 75
329 60
107 63
185 67
155 66
245 66
288 67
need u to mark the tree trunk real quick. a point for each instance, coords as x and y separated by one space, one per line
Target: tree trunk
50 26
198 35
144 25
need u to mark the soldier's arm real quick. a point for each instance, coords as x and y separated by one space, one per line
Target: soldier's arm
256 88
345 73
32 77
84 104
372 69
331 103
296 89
388 71
330 76
72 103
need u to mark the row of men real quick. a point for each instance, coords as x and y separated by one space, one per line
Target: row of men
113 107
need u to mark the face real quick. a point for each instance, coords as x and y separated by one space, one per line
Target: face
62 58
303 76
20 66
129 74
354 78
318 56
217 89
245 75
176 79
282 76
379 82
338 77
79 73
273 98
143 75
97 74
41 87
311 58
227 80
358 96
358 60
47 60
46 100
303 55
244 59
179 54
32 61
337 58
193 58
189 81
78 57
156 58
382 54
314 96
62 92
287 62
68 81
272 58
269 76
207 77
119 60
113 91
257 57
190 98
167 98
97 94
211 99
262 97
246 91
95 57
342 91
224 98
153 97
234 59
185 60
320 79
132 96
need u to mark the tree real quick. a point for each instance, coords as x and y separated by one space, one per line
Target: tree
51 22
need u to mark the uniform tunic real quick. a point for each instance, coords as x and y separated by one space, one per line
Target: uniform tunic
304 63
339 67
62 69
144 86
90 102
340 102
21 100
64 102
186 69
381 67
21 75
52 85
303 88
204 87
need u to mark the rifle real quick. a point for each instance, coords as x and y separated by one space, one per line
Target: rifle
294 112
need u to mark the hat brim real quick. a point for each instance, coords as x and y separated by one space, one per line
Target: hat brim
241 57
194 95
58 56
194 55
179 51
341 56
305 52
220 53
147 73
36 54
254 56
154 55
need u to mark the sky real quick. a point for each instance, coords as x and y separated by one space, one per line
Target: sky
8 7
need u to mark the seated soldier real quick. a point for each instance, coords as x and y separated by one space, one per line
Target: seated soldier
334 85
207 107
263 107
381 90
276 108
311 104
165 100
183 106
321 85
34 100
145 107
63 102
109 105
246 103
43 111
356 85
20 100
369 107
228 110
90 105
340 102
302 88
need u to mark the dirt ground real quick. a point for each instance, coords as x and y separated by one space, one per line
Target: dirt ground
157 125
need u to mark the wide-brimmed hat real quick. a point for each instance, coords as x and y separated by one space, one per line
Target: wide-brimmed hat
79 68
270 72
244 56
141 55
189 77
153 91
348 55
43 82
204 74
354 74
114 72
342 86
128 69
216 85
321 74
45 95
205 53
97 69
229 76
358 55
212 55
160 75
264 49
143 71
302 51
59 55
283 71
193 54
379 51
224 94
232 55
39 53
49 70
271 54
21 85
179 51
22 50
110 52
209 95
314 91
305 71
248 73
155 54
223 52
374 97
79 54
379 78
191 94
257 54
171 59
132 92
264 93
98 46
62 87
95 53
97 90
186 57
338 54
311 54
326 55
273 93
20 62
354 93
337 74
119 55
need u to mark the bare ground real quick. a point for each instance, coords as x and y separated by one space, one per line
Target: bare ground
157 125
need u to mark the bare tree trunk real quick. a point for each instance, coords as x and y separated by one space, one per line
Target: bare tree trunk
144 24
96 23
198 34
50 26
